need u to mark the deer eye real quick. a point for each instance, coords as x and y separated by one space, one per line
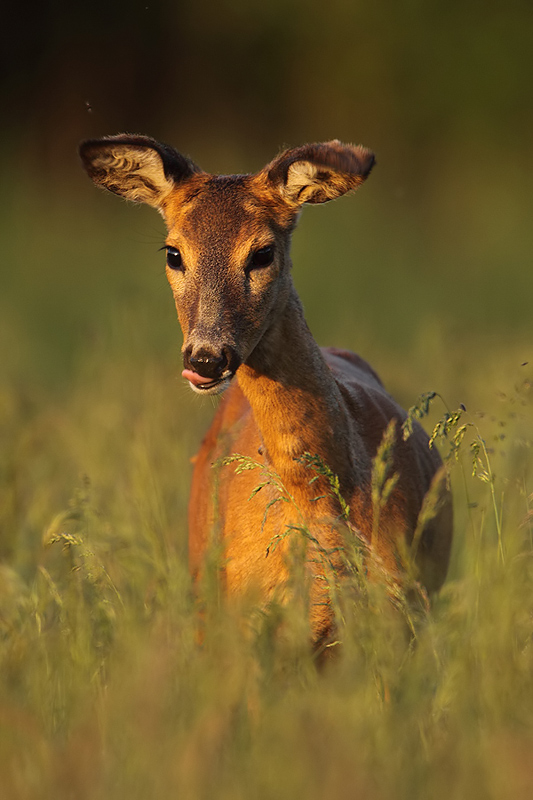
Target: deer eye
262 257
174 258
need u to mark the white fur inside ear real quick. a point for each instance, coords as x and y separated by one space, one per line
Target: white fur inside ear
134 172
300 175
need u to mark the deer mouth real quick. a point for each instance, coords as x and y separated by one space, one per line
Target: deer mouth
203 385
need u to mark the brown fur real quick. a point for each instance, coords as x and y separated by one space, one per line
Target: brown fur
288 397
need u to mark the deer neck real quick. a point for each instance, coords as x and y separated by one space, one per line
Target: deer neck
297 404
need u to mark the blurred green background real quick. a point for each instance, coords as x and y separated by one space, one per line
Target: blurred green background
432 256
105 689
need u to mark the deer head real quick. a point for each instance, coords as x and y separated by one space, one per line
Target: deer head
228 242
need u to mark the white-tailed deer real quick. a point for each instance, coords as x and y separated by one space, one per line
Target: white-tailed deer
229 268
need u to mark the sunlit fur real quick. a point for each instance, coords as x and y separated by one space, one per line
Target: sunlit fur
288 396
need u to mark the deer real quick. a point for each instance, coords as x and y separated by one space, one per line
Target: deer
287 402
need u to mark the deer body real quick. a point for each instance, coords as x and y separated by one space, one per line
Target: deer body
228 265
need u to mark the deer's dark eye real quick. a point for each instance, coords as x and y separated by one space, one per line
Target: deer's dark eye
174 259
262 257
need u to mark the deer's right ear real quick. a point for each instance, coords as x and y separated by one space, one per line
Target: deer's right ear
135 167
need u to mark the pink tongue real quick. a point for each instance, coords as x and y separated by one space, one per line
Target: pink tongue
195 378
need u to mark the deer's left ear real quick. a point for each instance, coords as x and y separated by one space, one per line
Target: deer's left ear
315 173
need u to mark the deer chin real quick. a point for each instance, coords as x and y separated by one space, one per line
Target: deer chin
202 385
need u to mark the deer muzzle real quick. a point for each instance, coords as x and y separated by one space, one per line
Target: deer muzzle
209 370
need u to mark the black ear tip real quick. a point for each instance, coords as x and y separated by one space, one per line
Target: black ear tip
82 149
368 161
87 143
86 150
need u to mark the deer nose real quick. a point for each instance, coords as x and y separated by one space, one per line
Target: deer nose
206 363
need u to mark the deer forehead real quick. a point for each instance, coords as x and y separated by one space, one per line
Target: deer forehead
226 216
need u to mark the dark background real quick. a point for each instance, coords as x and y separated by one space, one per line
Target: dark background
430 260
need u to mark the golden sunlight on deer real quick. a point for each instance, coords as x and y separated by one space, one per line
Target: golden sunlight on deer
303 414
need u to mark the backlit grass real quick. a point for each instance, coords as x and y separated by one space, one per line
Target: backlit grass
112 683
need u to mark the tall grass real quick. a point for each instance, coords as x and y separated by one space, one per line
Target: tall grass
116 679
112 684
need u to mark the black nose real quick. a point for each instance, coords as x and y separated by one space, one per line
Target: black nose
206 362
